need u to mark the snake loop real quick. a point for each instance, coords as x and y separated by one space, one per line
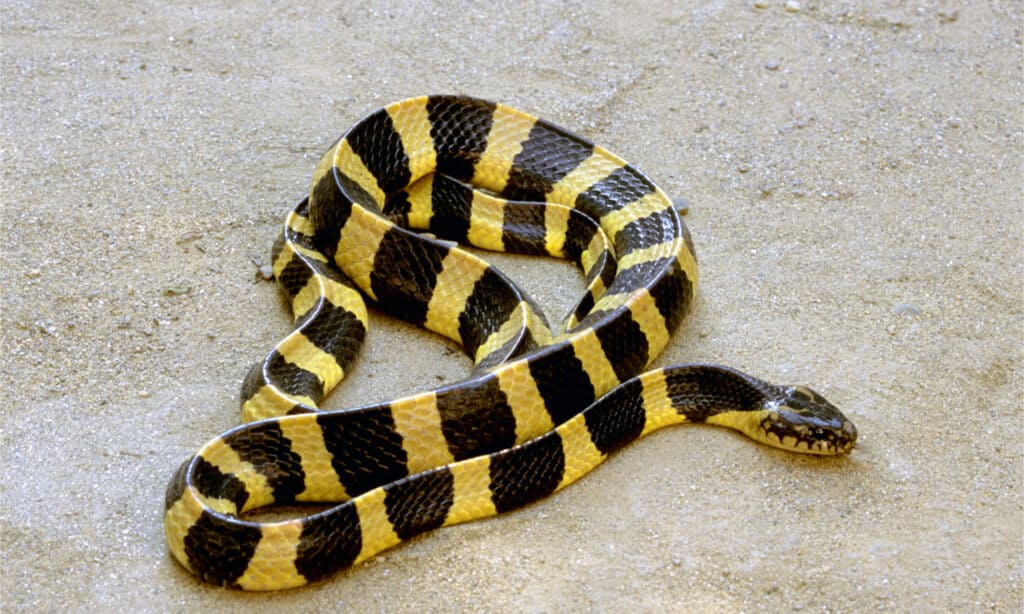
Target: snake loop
541 407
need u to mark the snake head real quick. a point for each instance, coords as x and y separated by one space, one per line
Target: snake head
802 420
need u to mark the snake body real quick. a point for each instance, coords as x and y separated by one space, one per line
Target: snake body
541 407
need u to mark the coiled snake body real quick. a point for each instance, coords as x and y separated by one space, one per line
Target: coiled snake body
541 407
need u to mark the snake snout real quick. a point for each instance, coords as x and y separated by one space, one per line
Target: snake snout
805 421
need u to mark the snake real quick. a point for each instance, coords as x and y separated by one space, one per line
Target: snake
390 205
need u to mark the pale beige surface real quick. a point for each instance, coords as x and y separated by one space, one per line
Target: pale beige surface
854 177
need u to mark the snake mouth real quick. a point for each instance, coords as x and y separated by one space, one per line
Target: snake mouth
799 431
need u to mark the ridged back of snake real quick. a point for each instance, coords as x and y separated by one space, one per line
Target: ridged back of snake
475 172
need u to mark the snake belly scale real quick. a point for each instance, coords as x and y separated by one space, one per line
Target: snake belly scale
542 405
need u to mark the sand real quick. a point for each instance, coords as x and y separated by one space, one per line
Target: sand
854 177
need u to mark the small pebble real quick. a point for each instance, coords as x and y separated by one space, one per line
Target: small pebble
177 290
188 237
771 65
909 309
793 6
760 4
682 204
143 394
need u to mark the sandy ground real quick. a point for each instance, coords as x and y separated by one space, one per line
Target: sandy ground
854 174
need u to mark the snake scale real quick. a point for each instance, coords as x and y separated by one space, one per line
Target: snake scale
541 407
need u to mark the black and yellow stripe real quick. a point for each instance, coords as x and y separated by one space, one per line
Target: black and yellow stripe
481 173
259 556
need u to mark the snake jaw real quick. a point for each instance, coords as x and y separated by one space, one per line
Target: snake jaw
804 421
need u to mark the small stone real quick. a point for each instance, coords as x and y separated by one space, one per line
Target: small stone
771 65
143 394
177 290
908 309
760 4
792 6
681 204
188 237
